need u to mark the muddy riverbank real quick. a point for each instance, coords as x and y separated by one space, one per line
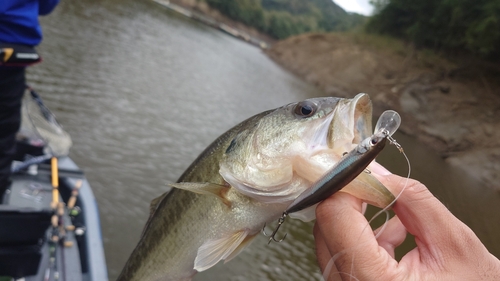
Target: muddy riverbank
452 108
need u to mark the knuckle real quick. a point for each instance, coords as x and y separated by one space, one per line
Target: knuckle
417 191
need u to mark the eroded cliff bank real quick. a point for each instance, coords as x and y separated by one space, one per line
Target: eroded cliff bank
452 108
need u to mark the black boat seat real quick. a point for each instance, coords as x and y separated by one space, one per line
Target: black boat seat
22 232
23 226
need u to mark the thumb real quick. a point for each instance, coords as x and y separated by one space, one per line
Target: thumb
350 239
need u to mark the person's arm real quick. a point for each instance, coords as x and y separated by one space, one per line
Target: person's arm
46 6
447 249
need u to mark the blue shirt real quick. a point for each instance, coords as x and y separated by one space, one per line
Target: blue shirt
19 20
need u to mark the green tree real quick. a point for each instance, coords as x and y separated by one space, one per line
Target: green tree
456 25
283 18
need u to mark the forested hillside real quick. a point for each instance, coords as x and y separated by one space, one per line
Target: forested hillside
283 18
455 26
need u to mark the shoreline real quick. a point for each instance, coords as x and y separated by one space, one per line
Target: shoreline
201 12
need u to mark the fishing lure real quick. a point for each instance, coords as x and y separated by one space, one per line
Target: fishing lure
347 169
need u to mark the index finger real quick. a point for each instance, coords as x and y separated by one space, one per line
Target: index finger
437 231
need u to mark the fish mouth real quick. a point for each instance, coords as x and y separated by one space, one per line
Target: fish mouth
351 123
353 118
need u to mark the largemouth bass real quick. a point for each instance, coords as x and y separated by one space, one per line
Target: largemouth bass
246 178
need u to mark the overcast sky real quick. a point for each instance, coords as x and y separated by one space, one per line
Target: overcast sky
359 6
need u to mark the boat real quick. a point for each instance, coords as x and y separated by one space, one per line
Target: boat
49 218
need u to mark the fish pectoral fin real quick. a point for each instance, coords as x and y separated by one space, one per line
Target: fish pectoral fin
240 247
367 188
204 188
215 250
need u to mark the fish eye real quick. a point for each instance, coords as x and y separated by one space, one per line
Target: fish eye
305 109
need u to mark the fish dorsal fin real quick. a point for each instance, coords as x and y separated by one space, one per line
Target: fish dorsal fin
205 188
152 208
155 202
215 250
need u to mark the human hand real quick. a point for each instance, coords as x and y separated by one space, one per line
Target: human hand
447 249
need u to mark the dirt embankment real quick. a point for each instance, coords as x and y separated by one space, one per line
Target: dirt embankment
457 115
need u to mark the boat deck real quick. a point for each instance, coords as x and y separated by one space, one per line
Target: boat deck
26 246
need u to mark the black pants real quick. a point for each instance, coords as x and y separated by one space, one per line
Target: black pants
12 86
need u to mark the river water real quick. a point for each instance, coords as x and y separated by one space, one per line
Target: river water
143 91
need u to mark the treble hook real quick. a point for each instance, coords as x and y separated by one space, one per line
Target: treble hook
272 237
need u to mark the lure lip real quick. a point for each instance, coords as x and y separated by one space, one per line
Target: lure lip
388 121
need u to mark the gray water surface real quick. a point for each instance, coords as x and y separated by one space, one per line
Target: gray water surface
143 91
